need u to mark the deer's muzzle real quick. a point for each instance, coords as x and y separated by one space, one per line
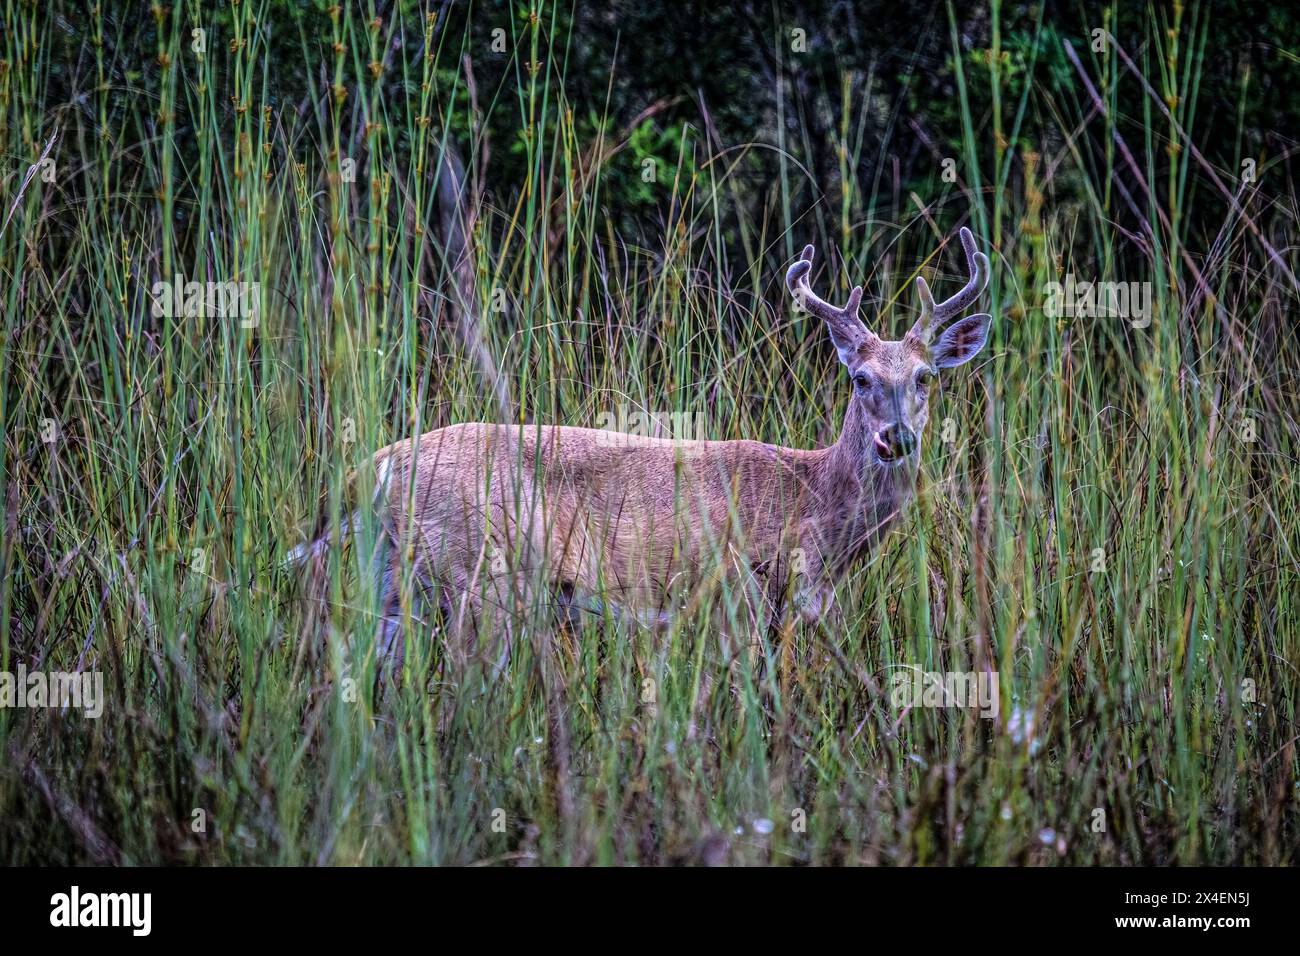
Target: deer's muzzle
895 442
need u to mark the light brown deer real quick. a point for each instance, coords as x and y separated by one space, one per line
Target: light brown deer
492 515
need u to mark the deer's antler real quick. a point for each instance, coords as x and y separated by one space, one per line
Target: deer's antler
934 315
848 332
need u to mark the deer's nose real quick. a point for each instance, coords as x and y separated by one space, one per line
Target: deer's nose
895 441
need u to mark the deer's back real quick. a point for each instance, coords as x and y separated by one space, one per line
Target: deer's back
609 511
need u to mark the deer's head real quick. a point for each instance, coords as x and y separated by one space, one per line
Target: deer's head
893 381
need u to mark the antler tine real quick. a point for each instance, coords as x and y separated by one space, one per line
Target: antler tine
796 280
925 323
932 314
848 333
977 264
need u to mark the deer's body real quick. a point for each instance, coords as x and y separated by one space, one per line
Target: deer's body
644 526
486 514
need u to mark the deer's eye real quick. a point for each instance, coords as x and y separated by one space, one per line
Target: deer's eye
862 381
924 380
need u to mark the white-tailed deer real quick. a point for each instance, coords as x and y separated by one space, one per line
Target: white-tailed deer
488 515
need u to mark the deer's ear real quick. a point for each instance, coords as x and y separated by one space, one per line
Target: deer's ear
962 341
849 343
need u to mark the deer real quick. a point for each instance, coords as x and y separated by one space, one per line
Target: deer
487 516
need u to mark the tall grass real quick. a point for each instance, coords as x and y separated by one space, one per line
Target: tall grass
1106 514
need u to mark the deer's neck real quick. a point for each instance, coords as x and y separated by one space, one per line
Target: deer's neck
860 497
